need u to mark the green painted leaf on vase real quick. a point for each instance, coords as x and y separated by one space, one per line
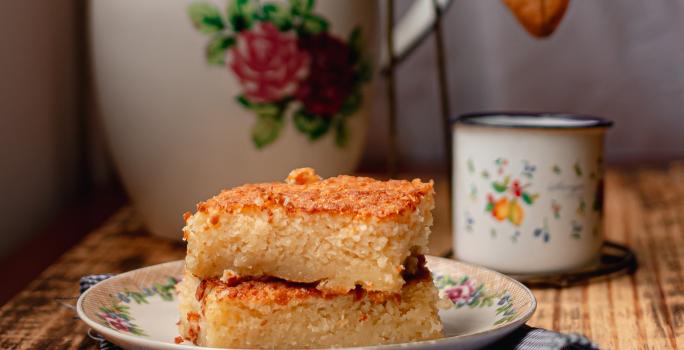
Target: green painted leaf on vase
241 14
355 44
312 125
206 17
277 15
266 129
262 109
266 110
301 7
216 49
364 72
312 24
241 99
352 103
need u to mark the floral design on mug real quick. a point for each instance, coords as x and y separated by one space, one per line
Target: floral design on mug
509 197
528 169
581 207
286 61
485 174
577 228
501 164
492 233
473 192
469 222
543 232
508 207
578 169
471 165
555 208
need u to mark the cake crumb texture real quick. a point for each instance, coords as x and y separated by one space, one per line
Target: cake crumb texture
342 231
267 313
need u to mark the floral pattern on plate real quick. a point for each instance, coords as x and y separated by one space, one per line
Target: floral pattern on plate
138 309
465 291
117 316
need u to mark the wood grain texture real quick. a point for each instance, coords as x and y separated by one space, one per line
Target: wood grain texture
42 315
644 209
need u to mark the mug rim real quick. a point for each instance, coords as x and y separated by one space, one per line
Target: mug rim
574 121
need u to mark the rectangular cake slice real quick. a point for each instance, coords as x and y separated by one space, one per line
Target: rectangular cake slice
343 231
274 314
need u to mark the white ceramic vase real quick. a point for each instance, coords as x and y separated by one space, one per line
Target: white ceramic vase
198 96
528 194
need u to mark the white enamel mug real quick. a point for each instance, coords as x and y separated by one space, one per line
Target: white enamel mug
528 190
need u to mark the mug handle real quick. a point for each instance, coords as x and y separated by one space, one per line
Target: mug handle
412 28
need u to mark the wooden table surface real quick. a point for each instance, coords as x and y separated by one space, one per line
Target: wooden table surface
644 209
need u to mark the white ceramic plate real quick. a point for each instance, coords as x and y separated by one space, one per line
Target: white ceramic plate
137 309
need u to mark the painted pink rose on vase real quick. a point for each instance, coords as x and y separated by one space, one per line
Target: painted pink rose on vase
332 75
268 63
289 64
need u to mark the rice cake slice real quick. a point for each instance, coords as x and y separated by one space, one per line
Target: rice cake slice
275 314
342 231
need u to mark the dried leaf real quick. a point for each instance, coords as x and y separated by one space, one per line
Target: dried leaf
539 17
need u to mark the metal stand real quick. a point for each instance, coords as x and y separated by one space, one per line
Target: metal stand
444 103
392 157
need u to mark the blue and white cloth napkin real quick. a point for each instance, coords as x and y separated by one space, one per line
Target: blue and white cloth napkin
524 338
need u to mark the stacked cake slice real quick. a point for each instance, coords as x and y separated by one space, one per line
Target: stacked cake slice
310 263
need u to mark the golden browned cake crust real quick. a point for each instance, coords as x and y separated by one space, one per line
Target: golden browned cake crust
279 291
305 192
